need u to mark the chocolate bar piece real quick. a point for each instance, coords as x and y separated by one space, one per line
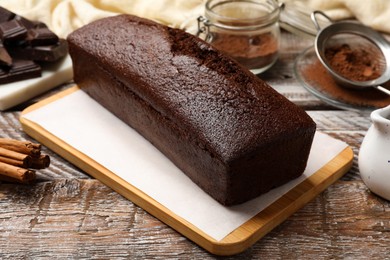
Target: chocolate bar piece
23 21
12 30
5 59
41 53
5 15
20 70
24 42
29 24
41 36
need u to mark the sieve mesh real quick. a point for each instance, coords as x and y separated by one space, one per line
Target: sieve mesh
354 57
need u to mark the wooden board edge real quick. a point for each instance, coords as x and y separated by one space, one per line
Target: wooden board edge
238 240
118 184
261 224
49 100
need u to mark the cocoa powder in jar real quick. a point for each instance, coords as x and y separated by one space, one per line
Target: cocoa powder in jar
253 52
247 31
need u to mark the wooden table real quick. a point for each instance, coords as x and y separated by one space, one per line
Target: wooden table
67 214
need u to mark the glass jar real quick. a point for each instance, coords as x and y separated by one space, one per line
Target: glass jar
246 30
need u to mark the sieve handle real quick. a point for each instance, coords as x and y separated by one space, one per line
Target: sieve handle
384 90
313 17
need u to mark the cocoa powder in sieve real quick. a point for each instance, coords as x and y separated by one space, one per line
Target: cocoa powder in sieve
356 64
253 52
319 78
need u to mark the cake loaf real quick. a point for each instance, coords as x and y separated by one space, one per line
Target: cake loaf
227 130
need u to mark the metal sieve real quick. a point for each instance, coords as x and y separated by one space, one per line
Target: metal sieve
353 35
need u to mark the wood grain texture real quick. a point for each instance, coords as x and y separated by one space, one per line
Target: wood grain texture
68 215
82 218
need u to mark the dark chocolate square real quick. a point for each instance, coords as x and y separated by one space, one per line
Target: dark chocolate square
20 70
25 22
48 53
41 36
5 15
12 30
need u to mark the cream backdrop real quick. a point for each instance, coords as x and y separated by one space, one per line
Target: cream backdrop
64 16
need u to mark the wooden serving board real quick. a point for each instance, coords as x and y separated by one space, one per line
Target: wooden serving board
238 240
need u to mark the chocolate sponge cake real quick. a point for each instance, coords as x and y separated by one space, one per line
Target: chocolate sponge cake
230 132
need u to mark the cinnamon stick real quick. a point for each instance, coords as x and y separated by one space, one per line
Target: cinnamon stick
20 163
26 159
16 157
8 179
24 147
40 162
13 173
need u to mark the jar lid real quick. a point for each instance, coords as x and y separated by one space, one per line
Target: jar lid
296 19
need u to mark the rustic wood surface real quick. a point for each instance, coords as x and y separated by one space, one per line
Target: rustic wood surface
67 214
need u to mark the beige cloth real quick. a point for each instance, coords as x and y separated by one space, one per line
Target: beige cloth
373 13
64 16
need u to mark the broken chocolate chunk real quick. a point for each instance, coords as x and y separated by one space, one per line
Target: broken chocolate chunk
41 53
41 36
22 44
5 59
12 30
5 15
20 70
26 23
29 24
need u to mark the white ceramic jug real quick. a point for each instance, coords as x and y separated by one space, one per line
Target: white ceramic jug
374 155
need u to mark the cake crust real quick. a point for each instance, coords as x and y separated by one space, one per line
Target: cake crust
229 131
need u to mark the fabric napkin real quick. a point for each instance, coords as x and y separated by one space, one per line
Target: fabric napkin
64 16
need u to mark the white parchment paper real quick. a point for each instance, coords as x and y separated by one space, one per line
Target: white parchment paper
80 121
